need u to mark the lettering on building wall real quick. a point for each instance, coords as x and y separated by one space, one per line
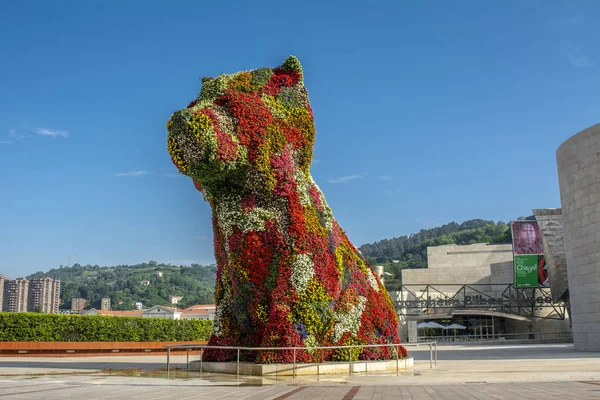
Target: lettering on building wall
468 302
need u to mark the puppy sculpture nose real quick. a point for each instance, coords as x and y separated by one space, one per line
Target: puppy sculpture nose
178 124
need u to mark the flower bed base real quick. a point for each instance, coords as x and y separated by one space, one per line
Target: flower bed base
340 368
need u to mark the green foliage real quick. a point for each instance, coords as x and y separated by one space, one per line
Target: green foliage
31 327
292 64
408 252
122 284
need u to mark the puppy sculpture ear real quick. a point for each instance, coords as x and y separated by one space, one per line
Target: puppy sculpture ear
292 64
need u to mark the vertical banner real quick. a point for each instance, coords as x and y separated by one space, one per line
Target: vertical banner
526 270
528 253
527 238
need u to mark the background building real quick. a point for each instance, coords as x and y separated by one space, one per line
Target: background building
44 295
162 312
2 279
578 164
199 311
111 313
78 303
105 303
550 222
15 296
473 286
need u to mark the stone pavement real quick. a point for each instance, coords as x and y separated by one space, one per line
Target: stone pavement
153 391
472 372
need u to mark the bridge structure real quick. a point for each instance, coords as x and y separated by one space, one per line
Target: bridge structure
428 301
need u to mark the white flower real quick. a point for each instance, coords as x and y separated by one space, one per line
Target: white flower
230 215
302 271
349 321
223 311
303 188
372 280
328 215
311 341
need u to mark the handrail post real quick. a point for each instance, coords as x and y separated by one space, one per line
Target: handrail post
350 359
187 360
238 363
168 361
201 356
436 354
294 367
430 355
397 351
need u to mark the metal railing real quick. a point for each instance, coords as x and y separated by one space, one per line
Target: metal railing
432 353
562 336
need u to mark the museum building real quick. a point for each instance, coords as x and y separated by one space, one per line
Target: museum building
472 288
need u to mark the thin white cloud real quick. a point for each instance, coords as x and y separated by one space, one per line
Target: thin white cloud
5 141
172 175
51 132
132 173
384 178
344 179
581 61
13 134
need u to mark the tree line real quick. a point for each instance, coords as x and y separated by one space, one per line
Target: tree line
126 284
410 251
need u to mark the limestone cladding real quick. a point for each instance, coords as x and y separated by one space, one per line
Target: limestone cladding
578 161
550 223
454 264
481 263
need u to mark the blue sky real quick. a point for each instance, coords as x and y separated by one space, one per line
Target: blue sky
426 113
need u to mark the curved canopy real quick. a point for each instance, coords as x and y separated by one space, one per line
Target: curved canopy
455 326
430 324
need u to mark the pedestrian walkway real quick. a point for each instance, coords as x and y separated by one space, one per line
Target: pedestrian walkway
463 372
153 391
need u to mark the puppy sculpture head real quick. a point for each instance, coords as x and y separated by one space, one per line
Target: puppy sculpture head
240 130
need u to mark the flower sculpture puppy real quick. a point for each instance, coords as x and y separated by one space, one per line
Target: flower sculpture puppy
287 274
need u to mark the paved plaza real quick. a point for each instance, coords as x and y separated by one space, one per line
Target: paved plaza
472 372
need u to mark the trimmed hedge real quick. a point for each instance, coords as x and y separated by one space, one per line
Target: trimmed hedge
31 327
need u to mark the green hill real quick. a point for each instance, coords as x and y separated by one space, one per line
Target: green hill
123 284
411 251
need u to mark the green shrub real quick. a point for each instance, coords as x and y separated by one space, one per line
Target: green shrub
33 327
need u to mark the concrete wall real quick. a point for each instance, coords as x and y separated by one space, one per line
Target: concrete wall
454 264
578 162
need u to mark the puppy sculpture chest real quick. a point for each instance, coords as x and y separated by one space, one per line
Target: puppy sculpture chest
287 275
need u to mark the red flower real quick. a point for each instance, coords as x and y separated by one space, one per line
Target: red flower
281 79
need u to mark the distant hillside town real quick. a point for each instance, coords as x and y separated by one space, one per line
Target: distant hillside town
42 295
